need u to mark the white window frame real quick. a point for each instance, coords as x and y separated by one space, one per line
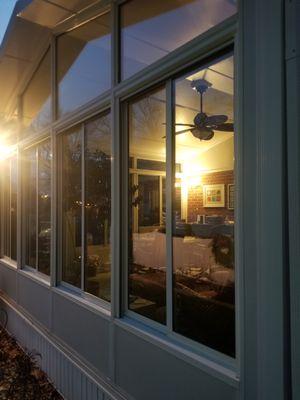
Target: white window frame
59 188
24 266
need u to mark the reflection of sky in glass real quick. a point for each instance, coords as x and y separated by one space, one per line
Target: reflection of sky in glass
89 73
150 36
37 108
6 8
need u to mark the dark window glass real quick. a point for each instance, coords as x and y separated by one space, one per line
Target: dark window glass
203 230
44 207
98 207
13 208
147 253
37 111
152 29
30 206
83 63
149 208
71 207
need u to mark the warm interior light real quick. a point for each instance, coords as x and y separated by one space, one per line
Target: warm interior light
192 172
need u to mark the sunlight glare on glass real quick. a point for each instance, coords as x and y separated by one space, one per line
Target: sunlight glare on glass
5 149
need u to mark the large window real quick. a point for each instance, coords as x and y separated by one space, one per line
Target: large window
86 207
201 211
36 206
9 208
36 107
152 29
83 63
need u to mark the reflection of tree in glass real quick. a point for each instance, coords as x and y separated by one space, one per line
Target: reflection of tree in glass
71 207
148 116
72 172
98 179
44 207
98 188
43 118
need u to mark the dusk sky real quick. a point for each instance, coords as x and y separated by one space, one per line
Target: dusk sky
6 7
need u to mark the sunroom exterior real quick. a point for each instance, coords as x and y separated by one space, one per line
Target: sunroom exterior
150 196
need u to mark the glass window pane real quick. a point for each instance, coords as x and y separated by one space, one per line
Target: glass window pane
13 208
152 29
29 205
37 97
44 207
98 207
203 231
71 207
147 241
83 59
6 208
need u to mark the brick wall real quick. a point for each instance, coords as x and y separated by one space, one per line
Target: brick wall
195 196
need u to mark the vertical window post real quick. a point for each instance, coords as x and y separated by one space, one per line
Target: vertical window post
170 181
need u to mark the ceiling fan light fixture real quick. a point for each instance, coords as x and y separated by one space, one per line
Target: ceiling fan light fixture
200 85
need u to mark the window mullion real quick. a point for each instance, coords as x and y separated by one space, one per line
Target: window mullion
170 155
53 79
37 207
10 189
115 40
83 236
160 200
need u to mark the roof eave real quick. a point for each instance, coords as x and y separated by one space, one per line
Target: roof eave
19 6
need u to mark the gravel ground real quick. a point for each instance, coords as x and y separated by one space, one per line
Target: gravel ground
20 377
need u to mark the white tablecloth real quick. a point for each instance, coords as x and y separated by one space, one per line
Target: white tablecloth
149 250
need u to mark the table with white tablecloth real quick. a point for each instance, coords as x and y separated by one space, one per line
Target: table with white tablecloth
149 250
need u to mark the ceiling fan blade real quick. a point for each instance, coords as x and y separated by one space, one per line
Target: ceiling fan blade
214 120
228 127
179 132
191 125
200 119
185 130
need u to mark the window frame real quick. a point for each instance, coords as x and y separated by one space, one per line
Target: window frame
12 262
58 149
24 265
169 82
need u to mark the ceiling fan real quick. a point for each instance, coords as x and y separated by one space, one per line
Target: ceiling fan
204 125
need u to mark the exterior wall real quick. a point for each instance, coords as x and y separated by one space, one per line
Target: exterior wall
70 377
76 344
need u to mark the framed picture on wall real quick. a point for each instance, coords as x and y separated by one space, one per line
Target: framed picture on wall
230 196
213 195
